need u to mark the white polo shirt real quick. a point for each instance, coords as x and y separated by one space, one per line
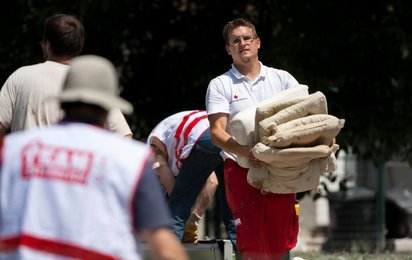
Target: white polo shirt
232 92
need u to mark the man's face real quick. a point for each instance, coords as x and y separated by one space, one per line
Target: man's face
243 44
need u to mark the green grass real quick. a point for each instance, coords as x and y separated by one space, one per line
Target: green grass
354 256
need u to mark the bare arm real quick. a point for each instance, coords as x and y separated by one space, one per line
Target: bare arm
167 178
164 245
222 139
165 174
206 195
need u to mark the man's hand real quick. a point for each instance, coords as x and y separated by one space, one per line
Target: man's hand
253 161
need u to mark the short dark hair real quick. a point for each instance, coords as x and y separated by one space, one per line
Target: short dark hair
231 25
85 113
65 33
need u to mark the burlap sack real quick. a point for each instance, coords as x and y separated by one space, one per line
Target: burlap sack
308 133
296 173
242 125
313 104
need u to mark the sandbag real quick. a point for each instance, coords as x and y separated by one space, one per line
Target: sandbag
276 178
242 125
312 133
313 104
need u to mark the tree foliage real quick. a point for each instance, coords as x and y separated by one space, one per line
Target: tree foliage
356 52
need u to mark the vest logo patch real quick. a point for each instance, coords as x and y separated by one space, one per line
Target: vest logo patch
45 161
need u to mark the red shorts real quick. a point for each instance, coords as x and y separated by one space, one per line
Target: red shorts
265 224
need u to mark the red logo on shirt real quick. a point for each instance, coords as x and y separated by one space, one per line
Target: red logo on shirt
236 98
56 163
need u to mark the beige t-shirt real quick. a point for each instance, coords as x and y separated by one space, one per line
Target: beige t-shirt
23 96
116 122
25 102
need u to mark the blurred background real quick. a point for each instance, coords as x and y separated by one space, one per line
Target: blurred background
358 53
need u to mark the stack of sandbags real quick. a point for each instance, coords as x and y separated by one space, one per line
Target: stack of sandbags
242 125
294 136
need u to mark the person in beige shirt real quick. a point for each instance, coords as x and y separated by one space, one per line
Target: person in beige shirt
24 97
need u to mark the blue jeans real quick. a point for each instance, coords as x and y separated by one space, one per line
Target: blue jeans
196 168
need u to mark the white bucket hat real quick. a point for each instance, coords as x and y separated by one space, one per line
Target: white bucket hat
93 80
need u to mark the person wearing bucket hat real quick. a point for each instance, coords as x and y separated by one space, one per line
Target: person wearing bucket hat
24 102
102 91
75 190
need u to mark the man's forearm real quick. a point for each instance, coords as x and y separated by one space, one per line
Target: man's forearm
229 144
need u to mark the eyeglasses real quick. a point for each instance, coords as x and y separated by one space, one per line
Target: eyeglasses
246 39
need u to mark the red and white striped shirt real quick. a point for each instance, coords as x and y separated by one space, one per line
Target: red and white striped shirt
179 133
